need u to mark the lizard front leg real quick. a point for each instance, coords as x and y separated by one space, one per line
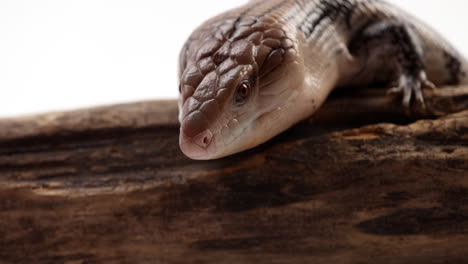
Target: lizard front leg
390 48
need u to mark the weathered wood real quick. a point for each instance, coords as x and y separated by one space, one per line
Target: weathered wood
358 183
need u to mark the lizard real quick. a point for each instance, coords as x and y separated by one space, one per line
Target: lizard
252 72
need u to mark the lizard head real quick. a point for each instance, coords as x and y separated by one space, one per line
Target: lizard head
234 80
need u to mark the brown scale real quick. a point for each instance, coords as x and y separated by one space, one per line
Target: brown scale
211 73
257 43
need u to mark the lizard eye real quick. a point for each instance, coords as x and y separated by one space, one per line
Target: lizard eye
243 91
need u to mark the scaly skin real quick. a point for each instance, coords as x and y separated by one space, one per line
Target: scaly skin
253 72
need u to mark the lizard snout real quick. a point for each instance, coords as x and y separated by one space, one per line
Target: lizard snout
196 147
195 138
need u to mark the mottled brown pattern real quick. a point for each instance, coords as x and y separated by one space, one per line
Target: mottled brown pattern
210 60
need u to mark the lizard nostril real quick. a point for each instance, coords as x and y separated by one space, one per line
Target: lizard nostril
204 139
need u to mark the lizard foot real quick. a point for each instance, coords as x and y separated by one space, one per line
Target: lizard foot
410 89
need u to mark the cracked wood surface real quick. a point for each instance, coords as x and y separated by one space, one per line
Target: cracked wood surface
358 183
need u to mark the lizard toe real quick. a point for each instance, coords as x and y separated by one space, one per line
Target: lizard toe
410 91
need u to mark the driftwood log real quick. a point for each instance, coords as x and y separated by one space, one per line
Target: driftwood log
358 183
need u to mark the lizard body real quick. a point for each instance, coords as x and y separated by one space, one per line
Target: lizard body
250 73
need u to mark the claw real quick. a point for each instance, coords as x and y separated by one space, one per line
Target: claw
425 81
394 91
410 88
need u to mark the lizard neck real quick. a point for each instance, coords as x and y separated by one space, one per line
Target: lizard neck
318 75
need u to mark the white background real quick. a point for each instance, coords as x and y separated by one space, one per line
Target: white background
65 54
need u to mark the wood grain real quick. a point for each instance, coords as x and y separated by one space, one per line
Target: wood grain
359 182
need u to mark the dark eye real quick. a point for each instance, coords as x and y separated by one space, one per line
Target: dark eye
243 91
